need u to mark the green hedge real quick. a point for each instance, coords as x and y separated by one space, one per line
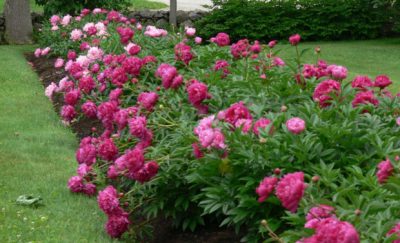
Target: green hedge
313 19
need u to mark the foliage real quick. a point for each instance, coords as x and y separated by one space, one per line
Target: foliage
210 166
74 6
313 19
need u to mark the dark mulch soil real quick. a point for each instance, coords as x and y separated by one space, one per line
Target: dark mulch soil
163 230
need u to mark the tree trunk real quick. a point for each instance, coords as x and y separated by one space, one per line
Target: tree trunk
18 22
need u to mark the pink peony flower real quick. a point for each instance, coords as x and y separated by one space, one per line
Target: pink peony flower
385 170
148 100
333 230
95 53
197 93
222 65
148 171
154 32
76 34
117 225
395 230
55 19
382 81
89 108
256 47
222 39
86 84
125 34
398 121
72 97
132 49
278 62
198 154
137 126
107 150
272 43
361 82
71 55
244 124
240 49
183 53
75 184
46 51
131 162
296 125
190 31
366 97
89 189
59 63
337 72
38 52
325 90
290 190
66 20
86 154
83 170
105 112
198 40
112 172
235 112
68 113
167 73
266 187
294 39
316 214
113 16
50 90
262 123
108 201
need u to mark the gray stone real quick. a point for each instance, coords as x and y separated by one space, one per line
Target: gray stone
147 14
181 16
187 23
162 23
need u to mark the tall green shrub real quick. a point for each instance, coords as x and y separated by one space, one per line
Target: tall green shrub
313 19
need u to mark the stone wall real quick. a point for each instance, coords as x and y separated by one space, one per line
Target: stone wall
146 17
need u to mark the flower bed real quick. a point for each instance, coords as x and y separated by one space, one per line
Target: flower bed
225 133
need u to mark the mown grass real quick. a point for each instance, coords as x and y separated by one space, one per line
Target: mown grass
37 158
136 5
372 57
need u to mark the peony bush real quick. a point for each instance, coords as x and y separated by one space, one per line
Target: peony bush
225 132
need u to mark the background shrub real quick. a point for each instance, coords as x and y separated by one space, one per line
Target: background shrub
75 6
313 19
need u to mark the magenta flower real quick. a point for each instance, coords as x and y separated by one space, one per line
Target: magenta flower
89 108
86 84
296 125
366 97
337 72
316 214
147 172
325 90
148 100
137 126
72 97
385 170
108 201
75 184
86 154
272 43
222 39
290 190
197 93
125 34
294 39
244 124
183 53
235 112
262 123
131 162
107 150
361 82
117 225
395 230
266 187
68 113
382 81
333 230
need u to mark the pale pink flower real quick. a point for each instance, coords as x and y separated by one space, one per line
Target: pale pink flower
66 20
95 53
55 28
38 52
76 34
190 31
296 125
50 90
55 19
45 51
59 63
198 40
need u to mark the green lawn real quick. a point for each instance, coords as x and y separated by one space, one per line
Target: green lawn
371 57
37 157
136 4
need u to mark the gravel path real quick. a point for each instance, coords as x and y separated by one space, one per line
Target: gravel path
190 4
